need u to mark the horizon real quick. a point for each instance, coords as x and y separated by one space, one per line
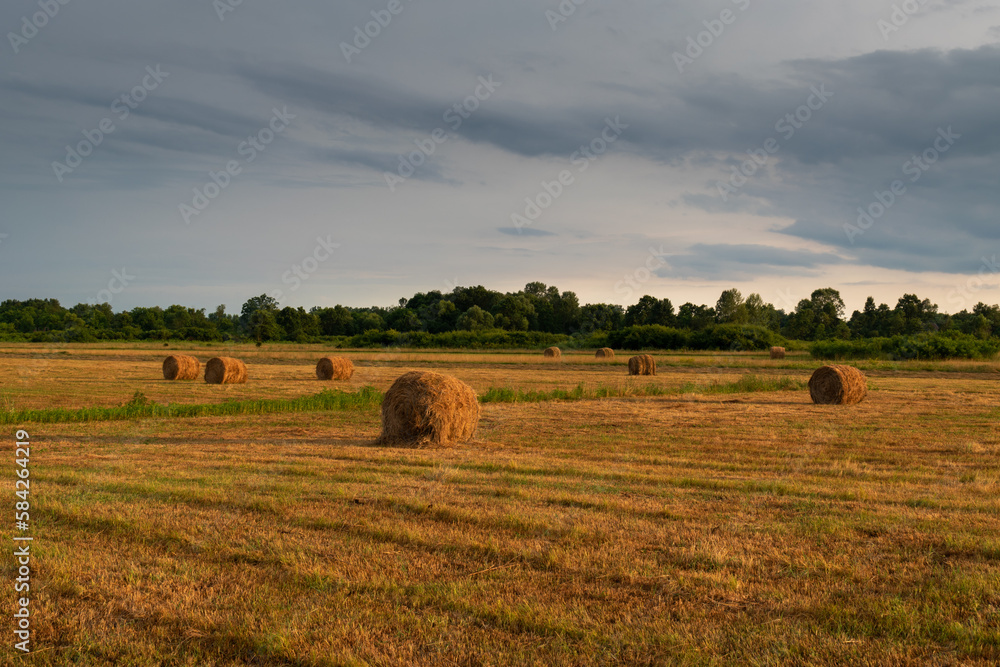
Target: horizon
235 309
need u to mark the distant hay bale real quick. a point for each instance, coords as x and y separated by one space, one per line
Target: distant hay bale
777 353
838 385
334 368
181 367
553 352
425 408
642 364
225 370
605 353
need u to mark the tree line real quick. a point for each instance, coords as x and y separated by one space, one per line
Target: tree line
537 308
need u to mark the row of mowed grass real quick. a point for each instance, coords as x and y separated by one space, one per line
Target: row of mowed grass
685 528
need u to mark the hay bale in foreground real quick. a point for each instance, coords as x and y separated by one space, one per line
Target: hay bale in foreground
777 353
334 368
181 367
553 352
425 408
642 364
838 385
225 370
605 353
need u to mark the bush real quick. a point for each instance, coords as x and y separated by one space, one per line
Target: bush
9 333
493 339
936 346
729 337
735 338
648 336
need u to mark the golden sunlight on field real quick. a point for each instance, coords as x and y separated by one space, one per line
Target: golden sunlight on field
688 528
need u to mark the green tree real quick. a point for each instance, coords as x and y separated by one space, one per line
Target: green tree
222 322
565 313
26 321
828 303
650 310
864 323
338 321
148 319
467 297
514 312
176 317
263 325
253 305
369 321
601 317
918 315
403 320
817 317
694 317
475 319
729 309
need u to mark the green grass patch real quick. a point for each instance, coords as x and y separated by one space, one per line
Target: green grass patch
370 398
751 383
746 384
578 393
139 407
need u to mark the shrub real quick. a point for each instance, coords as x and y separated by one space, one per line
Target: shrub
929 347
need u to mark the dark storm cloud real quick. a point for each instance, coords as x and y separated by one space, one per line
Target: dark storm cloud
518 127
738 261
887 109
186 114
379 161
874 105
880 104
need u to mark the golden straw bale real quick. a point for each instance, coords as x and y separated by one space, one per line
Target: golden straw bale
642 364
225 370
553 352
181 367
777 353
605 353
838 385
334 368
424 408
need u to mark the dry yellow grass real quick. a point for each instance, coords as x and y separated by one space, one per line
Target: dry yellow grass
742 529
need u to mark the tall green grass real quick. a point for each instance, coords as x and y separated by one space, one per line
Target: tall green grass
746 384
139 407
370 398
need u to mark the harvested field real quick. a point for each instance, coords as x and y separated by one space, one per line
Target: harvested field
696 528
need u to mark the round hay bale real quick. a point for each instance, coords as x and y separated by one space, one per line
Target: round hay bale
605 353
225 370
425 408
838 385
334 368
181 367
642 364
777 353
553 352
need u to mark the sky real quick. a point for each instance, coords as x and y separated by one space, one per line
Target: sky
205 151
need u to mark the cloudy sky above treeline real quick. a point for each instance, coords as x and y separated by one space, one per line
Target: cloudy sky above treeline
201 152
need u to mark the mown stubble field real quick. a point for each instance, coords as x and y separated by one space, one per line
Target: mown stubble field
750 528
